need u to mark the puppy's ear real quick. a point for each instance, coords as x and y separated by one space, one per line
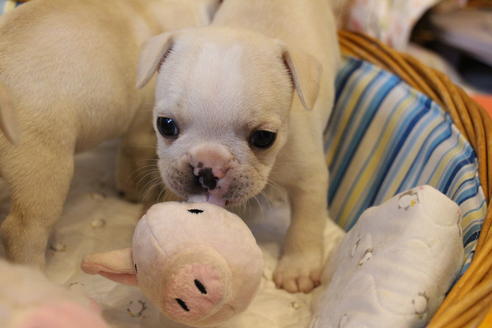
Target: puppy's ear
154 52
305 72
115 265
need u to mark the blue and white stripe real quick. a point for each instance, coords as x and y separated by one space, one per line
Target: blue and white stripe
384 137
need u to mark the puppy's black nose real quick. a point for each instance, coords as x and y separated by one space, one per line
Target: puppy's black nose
207 179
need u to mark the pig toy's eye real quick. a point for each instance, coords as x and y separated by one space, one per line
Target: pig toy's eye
195 211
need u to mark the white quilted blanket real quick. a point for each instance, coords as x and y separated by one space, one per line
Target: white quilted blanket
95 220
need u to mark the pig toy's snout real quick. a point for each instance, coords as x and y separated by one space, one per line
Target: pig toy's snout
195 290
203 303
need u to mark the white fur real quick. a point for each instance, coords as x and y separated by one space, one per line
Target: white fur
220 83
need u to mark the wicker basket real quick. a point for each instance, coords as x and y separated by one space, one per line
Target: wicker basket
471 298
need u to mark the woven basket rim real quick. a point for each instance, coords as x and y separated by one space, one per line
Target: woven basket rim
470 299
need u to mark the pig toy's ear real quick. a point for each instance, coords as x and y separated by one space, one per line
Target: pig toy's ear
115 265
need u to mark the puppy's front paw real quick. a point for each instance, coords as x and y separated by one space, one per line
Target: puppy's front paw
298 272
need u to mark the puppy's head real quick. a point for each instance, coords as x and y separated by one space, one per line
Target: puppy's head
223 101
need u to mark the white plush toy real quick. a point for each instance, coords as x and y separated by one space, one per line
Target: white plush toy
198 263
395 265
29 300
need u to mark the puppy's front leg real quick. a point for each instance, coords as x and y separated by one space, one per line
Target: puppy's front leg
299 269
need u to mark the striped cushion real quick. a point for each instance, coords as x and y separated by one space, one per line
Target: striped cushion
385 137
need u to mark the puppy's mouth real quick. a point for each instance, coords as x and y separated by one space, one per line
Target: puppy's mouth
208 197
213 189
216 200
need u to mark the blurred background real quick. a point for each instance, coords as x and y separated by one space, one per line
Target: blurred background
453 36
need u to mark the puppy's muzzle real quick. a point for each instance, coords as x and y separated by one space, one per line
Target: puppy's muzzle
210 163
207 179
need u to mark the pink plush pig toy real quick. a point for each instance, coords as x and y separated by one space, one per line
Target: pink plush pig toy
29 300
197 262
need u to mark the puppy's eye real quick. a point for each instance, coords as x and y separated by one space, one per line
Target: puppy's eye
167 127
262 139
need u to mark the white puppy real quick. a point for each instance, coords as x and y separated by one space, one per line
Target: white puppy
228 122
67 70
